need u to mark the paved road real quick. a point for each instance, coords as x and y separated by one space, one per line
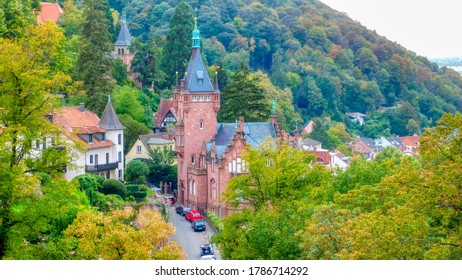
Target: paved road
187 238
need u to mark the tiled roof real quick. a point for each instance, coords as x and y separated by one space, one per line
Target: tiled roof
73 121
255 134
49 11
109 120
197 77
164 107
308 128
310 142
322 156
124 38
410 140
369 142
155 138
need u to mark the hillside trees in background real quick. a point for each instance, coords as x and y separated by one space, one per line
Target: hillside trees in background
244 86
177 45
94 62
147 63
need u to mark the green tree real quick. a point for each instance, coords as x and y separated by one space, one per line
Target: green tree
178 42
147 63
244 87
277 192
16 16
124 95
38 219
136 171
94 62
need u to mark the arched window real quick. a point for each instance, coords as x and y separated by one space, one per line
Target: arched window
201 124
122 51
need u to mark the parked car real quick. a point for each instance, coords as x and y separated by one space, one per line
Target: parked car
208 258
206 249
198 225
193 215
180 209
169 200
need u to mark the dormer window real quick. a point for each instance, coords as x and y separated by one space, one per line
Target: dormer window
90 138
200 77
102 137
194 98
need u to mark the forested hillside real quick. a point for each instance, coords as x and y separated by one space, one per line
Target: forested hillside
330 63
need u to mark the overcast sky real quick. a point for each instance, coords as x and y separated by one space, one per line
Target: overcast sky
431 28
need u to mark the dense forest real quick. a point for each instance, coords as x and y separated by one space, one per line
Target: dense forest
329 63
317 61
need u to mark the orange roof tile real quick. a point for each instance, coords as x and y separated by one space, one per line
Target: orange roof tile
410 140
322 156
49 11
73 121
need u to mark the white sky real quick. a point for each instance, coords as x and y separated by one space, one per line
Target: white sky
431 28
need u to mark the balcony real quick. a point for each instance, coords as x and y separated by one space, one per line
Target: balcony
101 167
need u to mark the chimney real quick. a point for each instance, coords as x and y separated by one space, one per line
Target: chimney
240 124
82 107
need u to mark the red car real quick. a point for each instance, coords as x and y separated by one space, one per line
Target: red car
193 215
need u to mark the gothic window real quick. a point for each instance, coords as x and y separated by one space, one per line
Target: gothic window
193 160
201 124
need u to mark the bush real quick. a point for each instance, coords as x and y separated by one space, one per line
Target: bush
112 186
136 171
132 188
215 221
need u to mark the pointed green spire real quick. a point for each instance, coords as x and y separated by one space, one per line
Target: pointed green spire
196 40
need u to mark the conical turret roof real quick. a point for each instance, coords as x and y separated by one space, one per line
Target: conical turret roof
124 38
197 77
109 120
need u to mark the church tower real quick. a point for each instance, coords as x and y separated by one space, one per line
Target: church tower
196 101
123 43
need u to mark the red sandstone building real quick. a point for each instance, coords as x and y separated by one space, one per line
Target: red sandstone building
209 153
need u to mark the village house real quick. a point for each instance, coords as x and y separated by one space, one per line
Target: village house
311 145
357 117
144 143
365 146
102 140
411 144
165 116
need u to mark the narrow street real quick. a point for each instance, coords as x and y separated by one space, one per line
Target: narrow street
187 238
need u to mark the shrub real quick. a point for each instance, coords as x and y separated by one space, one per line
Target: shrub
136 171
112 186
